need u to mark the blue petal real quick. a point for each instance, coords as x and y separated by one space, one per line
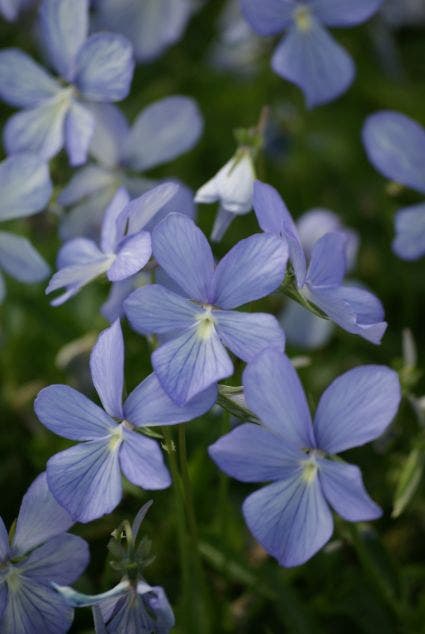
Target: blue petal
142 461
113 308
253 269
107 368
84 182
182 250
23 83
303 329
61 559
40 518
221 224
356 408
345 12
269 17
77 251
72 415
328 261
4 595
409 243
114 221
145 209
189 364
251 453
343 488
163 131
315 62
290 519
247 334
109 135
274 393
74 277
19 258
86 479
182 199
105 67
395 145
149 405
133 254
25 186
4 542
79 128
85 219
63 28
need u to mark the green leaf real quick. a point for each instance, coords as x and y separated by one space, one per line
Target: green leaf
410 477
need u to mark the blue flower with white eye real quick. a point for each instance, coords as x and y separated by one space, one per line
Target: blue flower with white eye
86 479
25 189
395 145
199 320
98 68
354 309
40 553
150 25
160 133
308 56
291 517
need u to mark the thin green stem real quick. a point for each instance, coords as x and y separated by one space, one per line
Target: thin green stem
187 486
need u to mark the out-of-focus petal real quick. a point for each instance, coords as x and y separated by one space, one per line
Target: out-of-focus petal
72 415
79 128
74 277
345 12
62 560
315 62
142 461
107 368
143 210
4 542
114 221
356 408
222 222
409 243
25 186
269 17
274 393
84 182
110 134
105 67
290 519
4 595
328 261
304 329
113 308
23 82
163 131
248 334
252 269
19 258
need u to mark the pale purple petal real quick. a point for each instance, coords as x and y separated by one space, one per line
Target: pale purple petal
290 519
409 243
86 479
64 27
23 83
113 308
105 67
182 201
62 560
114 221
222 222
4 595
182 250
253 269
133 254
72 415
250 453
85 218
107 368
303 329
78 251
395 145
84 182
109 135
248 334
274 393
79 128
144 209
40 518
315 62
343 488
189 364
74 277
142 461
148 405
20 260
155 309
273 217
162 132
328 261
25 186
4 543
268 17
345 12
356 408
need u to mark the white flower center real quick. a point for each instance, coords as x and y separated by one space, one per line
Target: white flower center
206 323
303 18
116 438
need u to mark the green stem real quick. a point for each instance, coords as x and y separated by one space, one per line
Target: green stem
187 486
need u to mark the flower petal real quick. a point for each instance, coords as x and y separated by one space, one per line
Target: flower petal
107 368
4 544
110 133
4 595
40 518
19 258
105 67
253 268
113 308
133 254
303 329
182 250
247 334
163 131
72 415
189 364
345 12
142 461
84 182
395 145
86 479
63 28
274 393
25 186
328 261
148 405
315 62
356 408
269 17
23 82
409 242
144 209
343 488
74 277
222 222
232 185
290 519
62 560
251 453
79 128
